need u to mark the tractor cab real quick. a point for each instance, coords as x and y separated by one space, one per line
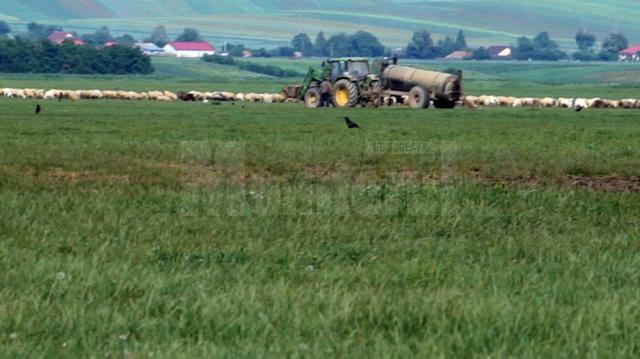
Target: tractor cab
351 68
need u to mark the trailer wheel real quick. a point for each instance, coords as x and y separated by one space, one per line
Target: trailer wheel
345 94
444 104
312 98
419 97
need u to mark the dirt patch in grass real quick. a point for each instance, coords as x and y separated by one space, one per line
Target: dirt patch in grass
611 183
199 175
606 183
77 176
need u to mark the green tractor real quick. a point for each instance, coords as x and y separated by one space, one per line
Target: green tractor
352 82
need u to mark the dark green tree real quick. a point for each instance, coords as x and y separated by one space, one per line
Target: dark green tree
546 49
543 41
585 41
37 31
189 35
340 45
481 54
236 50
125 40
615 43
5 29
461 41
612 45
446 46
320 45
525 49
421 46
158 36
540 48
22 56
302 43
100 37
366 44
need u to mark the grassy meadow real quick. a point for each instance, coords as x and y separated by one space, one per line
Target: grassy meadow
143 229
273 23
535 79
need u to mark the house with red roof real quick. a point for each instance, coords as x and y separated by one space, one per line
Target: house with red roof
58 37
630 54
189 49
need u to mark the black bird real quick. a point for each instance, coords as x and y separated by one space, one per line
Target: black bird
38 109
350 124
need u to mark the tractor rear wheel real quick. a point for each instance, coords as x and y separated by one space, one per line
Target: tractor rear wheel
312 98
345 94
419 97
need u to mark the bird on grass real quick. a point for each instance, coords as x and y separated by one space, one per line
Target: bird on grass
38 109
350 124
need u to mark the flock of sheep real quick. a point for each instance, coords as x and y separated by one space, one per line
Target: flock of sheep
573 103
132 95
468 101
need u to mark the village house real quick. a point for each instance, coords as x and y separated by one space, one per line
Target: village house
500 52
459 55
189 49
58 37
630 54
149 48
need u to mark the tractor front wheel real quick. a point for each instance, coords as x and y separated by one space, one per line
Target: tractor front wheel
419 97
345 94
312 98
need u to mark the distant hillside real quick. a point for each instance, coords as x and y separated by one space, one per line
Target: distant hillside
273 22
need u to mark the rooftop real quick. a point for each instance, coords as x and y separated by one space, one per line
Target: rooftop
631 51
192 46
58 37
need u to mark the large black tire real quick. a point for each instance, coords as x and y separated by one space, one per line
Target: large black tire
345 94
444 104
419 97
312 98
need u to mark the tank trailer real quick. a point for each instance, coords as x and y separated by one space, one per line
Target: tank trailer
349 82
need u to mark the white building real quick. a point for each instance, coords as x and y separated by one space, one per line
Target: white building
189 49
150 49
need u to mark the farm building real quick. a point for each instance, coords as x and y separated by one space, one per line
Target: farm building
149 48
58 37
459 55
500 52
630 54
189 49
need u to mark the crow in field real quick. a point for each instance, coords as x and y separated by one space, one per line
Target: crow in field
350 124
38 109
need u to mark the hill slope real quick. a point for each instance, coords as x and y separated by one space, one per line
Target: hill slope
274 21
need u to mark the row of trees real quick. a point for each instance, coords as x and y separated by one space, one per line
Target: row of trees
611 46
103 35
362 43
422 45
540 47
26 56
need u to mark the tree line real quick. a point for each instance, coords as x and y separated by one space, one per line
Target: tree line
365 44
26 56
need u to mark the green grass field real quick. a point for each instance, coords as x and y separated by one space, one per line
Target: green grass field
190 230
274 22
536 79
